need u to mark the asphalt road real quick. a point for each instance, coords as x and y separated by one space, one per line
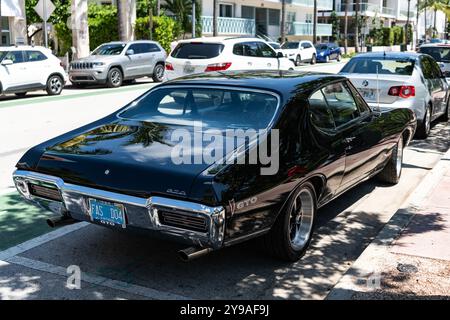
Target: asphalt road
115 265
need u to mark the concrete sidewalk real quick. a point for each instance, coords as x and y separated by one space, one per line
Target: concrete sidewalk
410 258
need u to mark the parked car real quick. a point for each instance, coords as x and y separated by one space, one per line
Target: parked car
327 140
115 62
440 53
405 79
300 51
327 52
30 68
223 53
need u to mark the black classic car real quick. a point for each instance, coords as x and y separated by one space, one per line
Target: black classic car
177 161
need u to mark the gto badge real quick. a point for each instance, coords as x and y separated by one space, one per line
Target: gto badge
246 203
365 83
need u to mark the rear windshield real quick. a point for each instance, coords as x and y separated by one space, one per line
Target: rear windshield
382 66
215 108
440 54
197 50
290 45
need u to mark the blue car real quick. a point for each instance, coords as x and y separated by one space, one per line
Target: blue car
327 52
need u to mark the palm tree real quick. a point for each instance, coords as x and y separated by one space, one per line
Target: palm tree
346 26
356 26
215 17
182 9
120 20
283 21
315 22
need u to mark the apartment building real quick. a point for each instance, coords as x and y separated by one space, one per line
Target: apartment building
263 18
388 12
13 22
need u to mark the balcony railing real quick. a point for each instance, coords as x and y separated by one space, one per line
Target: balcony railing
404 14
362 7
231 26
321 4
389 11
306 29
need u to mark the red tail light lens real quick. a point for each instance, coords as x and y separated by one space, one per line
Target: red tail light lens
169 66
402 91
218 66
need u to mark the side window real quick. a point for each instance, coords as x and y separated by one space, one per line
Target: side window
341 102
427 68
150 47
265 51
320 114
250 49
137 48
362 105
238 49
32 56
15 56
437 73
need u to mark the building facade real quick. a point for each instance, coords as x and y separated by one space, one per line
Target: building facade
13 22
388 12
263 18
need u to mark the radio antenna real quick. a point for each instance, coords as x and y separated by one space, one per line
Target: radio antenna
378 93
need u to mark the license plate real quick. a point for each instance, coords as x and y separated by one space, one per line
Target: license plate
112 214
188 68
368 93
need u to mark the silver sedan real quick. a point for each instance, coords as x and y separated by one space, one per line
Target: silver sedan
393 80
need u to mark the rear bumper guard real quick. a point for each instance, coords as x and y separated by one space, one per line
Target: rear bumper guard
142 213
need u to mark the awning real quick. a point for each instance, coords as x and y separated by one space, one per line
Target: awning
13 8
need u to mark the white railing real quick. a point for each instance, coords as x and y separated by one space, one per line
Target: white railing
306 29
321 4
231 26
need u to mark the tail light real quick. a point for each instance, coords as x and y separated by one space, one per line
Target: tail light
218 66
402 91
169 66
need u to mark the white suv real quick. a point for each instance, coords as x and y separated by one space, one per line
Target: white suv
222 53
27 68
300 51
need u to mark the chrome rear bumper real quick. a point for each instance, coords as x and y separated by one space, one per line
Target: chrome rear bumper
144 213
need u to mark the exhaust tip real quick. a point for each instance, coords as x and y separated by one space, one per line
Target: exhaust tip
51 223
183 256
191 253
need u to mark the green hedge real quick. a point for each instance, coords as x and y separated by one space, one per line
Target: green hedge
102 21
165 30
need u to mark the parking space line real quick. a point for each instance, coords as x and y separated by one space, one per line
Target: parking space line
35 242
96 280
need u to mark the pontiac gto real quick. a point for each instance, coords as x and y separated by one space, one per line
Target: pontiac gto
133 170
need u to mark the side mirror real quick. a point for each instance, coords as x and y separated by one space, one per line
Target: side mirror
130 52
7 62
280 54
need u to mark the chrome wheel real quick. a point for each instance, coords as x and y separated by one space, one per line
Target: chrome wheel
399 157
55 85
158 73
116 77
301 219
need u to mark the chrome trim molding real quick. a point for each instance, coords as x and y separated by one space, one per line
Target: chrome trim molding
75 202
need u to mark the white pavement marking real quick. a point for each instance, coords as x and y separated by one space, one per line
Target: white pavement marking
35 242
96 280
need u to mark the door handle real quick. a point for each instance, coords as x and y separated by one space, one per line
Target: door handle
269 64
249 63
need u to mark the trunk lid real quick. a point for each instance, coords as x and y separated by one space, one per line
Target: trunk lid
127 157
367 85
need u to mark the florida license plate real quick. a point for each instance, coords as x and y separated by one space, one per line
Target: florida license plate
368 94
108 213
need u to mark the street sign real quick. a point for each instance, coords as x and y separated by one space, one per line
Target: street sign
44 9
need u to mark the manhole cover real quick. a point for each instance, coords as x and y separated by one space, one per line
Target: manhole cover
407 268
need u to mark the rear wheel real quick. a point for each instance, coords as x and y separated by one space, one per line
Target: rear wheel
327 59
21 94
298 60
424 129
54 85
291 234
158 73
393 169
313 59
115 78
338 59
